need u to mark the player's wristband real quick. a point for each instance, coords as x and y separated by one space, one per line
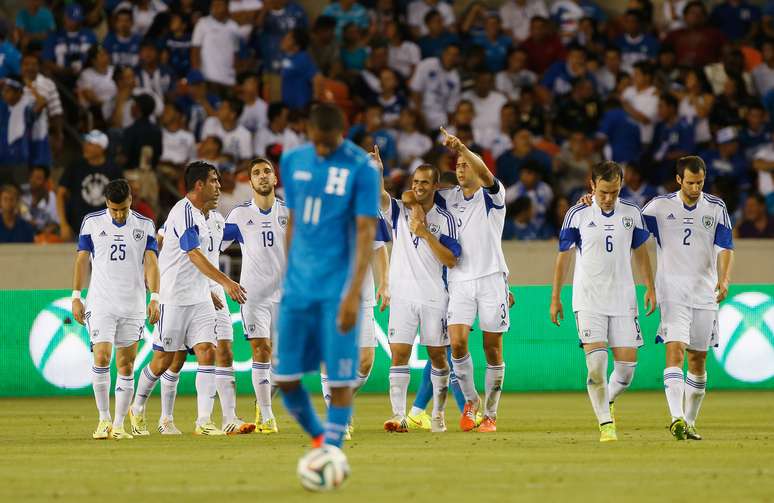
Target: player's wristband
76 295
154 296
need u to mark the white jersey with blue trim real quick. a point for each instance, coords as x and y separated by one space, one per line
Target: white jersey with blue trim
367 292
689 240
117 284
603 282
216 223
479 220
261 237
186 229
416 274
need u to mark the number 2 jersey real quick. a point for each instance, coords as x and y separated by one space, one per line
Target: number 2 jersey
603 282
689 240
117 252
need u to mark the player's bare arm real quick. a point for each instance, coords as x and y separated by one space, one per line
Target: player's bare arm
725 263
381 265
470 157
560 269
350 304
151 269
384 197
642 257
232 288
81 265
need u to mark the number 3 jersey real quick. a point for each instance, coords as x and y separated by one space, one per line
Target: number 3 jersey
603 282
689 240
117 283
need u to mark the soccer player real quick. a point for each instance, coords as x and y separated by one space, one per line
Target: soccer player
603 235
187 313
694 257
121 246
331 189
259 226
478 284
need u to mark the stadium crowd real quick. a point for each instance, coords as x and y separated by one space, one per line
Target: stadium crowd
99 89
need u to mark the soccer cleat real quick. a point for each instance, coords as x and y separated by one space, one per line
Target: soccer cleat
258 417
438 424
167 427
103 430
612 411
397 424
420 421
691 433
238 427
208 429
120 434
317 441
678 429
489 425
479 418
268 427
348 433
607 433
139 428
468 421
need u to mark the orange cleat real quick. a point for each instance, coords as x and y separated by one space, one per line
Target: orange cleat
396 424
468 419
488 425
317 441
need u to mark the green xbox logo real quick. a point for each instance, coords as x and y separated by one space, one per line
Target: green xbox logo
59 346
746 337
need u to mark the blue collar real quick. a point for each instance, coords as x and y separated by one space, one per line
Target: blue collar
266 212
117 224
690 208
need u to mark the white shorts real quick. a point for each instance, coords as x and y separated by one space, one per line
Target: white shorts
616 331
120 332
486 297
259 319
406 318
183 327
224 327
367 328
697 328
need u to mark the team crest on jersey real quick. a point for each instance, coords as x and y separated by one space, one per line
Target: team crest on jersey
138 234
391 334
628 222
707 221
587 333
434 228
251 328
283 221
95 333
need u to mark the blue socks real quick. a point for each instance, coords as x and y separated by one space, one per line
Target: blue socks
300 407
336 427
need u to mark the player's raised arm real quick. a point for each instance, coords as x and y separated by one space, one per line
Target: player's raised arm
473 160
384 197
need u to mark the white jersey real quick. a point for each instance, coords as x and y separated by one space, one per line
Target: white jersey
689 241
368 291
416 274
603 282
479 222
117 283
182 284
216 224
261 236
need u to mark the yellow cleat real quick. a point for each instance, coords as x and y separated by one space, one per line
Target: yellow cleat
348 433
208 429
139 428
103 430
607 433
479 418
421 421
120 434
258 418
268 427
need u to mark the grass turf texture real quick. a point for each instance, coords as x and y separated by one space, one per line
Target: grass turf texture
546 449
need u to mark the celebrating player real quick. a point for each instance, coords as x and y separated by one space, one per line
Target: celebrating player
332 195
478 284
259 227
603 296
695 252
187 312
121 245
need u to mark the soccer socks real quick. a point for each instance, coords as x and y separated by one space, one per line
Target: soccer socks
169 381
620 379
100 381
336 426
361 380
463 368
400 376
300 407
225 384
425 391
124 393
454 384
495 375
440 382
694 393
262 385
596 384
326 389
205 393
145 386
674 387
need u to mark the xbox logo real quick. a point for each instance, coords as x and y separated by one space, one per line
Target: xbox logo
59 346
746 337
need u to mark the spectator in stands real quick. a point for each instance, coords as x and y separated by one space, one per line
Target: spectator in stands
517 14
726 161
214 45
495 43
530 114
640 100
254 111
417 11
403 54
730 107
763 164
324 47
619 134
17 115
732 65
636 189
557 211
372 126
755 132
472 61
502 140
126 88
347 12
96 89
295 133
667 71
697 44
47 132
275 132
139 204
606 76
232 191
487 103
673 15
121 42
436 36
579 111
391 97
81 187
178 145
65 50
196 102
515 75
737 19
543 46
382 14
142 140
151 74
763 74
519 223
530 185
567 15
34 21
10 57
279 18
367 86
244 12
756 222
40 200
412 144
237 140
436 86
557 81
634 43
145 11
572 166
673 138
696 102
589 37
510 163
177 44
298 70
354 50
14 229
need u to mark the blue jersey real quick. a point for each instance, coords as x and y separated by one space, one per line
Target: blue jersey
325 195
122 51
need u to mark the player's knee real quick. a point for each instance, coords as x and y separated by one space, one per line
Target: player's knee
224 356
459 347
675 354
400 353
101 359
697 362
437 357
205 353
365 367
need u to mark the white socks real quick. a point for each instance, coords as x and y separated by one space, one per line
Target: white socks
225 384
100 381
124 394
440 381
400 376
145 386
205 393
596 384
694 394
620 379
169 381
463 369
674 388
326 389
262 385
495 375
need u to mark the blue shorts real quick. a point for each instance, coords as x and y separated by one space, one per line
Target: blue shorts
308 336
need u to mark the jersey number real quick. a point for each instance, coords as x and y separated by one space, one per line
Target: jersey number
268 238
212 244
312 207
609 243
118 252
687 235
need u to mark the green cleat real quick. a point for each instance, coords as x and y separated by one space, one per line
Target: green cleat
691 433
607 433
678 428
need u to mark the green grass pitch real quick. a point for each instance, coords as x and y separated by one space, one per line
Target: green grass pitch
546 450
